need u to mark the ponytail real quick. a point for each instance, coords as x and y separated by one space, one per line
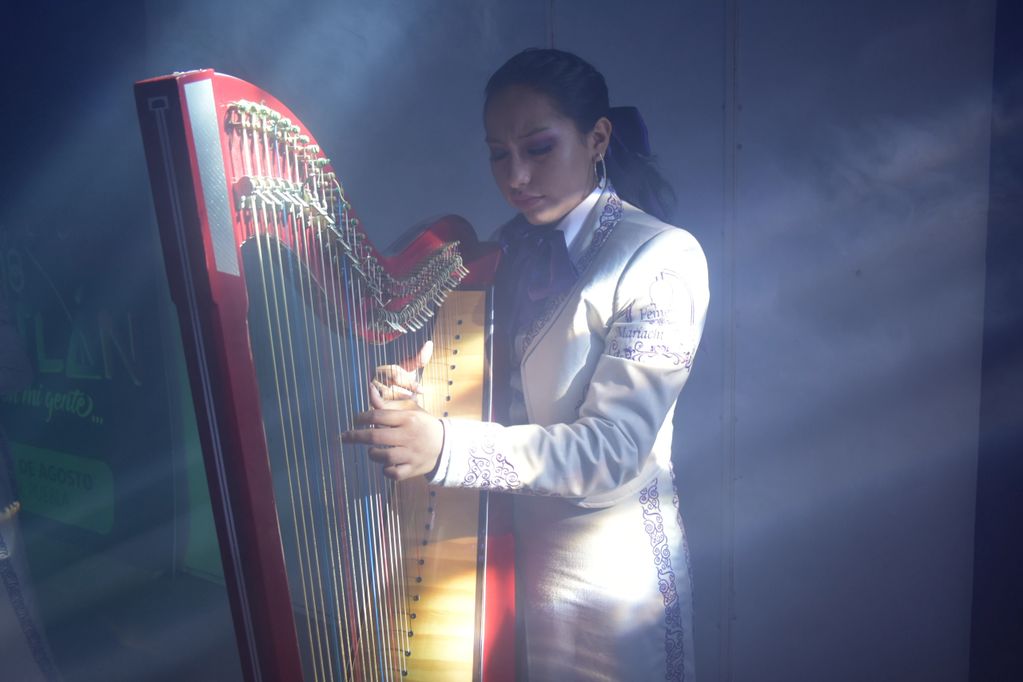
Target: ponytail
631 165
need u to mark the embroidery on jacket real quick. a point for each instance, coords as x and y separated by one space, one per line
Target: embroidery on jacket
653 522
28 628
640 351
609 218
649 332
488 468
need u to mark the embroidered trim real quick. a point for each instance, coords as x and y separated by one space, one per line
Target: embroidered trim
489 469
28 628
609 218
640 352
674 635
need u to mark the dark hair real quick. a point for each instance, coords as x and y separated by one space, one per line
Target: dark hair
579 92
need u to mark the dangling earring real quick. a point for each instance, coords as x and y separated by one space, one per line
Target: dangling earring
600 174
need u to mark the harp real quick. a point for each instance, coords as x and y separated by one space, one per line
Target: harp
285 307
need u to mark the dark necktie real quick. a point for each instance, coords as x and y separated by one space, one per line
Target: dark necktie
535 267
539 257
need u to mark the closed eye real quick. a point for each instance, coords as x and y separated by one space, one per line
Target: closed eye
497 154
540 150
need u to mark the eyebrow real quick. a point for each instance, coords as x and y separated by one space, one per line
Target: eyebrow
534 131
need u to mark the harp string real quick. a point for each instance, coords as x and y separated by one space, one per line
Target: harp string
335 619
286 231
368 476
276 278
336 472
275 312
342 634
318 481
337 509
356 537
357 485
294 441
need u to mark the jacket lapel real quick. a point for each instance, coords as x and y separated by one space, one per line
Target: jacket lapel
598 227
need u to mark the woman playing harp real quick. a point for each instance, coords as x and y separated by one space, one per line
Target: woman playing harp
603 306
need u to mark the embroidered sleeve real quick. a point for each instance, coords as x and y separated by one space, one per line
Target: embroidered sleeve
472 457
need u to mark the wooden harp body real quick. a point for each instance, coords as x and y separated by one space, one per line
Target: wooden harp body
286 307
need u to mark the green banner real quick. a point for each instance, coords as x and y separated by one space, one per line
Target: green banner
73 490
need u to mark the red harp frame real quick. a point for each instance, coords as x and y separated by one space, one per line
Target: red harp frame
184 120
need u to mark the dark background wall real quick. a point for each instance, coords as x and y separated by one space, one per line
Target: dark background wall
835 160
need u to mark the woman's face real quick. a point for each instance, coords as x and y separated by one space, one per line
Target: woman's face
541 162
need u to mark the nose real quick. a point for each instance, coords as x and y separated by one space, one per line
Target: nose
518 173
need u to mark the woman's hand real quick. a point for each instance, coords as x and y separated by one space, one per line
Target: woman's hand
396 382
401 436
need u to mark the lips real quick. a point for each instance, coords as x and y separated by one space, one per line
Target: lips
524 202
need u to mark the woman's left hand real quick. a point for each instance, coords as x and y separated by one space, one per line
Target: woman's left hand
401 436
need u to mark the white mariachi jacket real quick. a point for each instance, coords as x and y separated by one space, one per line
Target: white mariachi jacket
601 370
603 587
